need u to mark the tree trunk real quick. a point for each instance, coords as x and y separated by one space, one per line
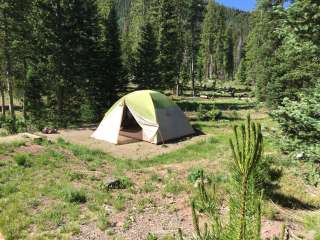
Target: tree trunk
192 65
60 107
3 101
178 88
24 92
9 72
243 206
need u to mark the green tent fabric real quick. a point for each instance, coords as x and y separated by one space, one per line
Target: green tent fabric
146 115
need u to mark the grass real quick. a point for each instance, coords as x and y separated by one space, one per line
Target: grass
312 222
51 193
22 159
73 195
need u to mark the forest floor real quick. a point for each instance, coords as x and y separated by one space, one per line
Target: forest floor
56 189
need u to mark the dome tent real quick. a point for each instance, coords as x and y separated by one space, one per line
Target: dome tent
145 115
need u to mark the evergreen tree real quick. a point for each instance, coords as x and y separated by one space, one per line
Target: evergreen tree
261 46
13 38
195 18
67 36
111 78
212 54
146 71
241 73
34 99
228 57
168 44
298 65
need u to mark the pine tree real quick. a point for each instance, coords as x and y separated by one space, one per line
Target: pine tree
168 43
146 70
34 99
212 54
261 46
112 45
228 57
195 18
241 73
297 62
67 35
111 78
245 193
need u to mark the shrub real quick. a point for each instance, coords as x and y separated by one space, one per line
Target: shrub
212 115
195 175
73 195
300 119
22 159
9 125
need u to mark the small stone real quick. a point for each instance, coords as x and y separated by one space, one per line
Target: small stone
300 155
112 183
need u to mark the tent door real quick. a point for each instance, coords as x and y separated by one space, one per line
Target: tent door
129 126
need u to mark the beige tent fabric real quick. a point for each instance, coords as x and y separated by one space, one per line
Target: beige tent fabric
109 128
149 129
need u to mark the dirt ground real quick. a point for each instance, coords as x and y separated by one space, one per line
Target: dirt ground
127 147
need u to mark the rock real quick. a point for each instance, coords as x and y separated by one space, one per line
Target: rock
108 209
113 183
300 156
47 130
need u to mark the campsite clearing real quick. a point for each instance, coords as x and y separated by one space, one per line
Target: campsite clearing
126 148
57 189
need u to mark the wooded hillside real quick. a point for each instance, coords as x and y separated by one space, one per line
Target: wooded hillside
67 61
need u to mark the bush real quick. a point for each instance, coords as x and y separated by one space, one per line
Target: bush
73 195
9 125
300 119
22 160
212 115
195 175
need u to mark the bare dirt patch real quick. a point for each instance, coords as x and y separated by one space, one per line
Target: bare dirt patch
33 149
128 148
90 232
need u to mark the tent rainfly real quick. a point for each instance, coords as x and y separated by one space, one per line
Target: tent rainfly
144 115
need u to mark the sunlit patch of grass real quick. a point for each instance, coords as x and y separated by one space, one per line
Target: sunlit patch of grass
312 222
59 215
119 202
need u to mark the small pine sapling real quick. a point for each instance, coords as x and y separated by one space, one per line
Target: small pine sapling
245 197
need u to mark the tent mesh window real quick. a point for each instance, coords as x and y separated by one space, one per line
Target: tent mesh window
129 126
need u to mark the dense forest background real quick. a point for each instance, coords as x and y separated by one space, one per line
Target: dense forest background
68 60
